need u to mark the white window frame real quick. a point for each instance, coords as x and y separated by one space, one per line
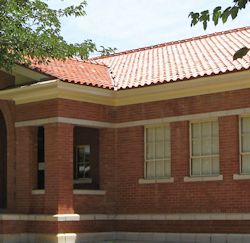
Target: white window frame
80 180
191 150
168 159
241 153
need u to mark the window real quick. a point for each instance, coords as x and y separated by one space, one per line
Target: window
86 158
40 158
82 162
245 145
204 148
157 152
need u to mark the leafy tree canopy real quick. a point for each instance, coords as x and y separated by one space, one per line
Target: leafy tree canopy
219 14
30 29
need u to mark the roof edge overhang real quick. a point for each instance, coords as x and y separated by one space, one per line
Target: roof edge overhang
56 88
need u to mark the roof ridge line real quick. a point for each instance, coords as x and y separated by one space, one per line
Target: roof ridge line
171 43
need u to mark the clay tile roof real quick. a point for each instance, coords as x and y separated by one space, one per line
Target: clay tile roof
168 62
76 71
180 60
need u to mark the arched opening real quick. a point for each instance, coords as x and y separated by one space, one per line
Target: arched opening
3 163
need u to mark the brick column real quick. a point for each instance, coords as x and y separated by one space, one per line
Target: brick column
25 157
180 150
59 168
229 146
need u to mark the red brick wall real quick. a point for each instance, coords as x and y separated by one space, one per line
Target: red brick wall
122 161
184 106
180 197
64 108
24 160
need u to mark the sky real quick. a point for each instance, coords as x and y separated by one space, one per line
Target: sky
129 24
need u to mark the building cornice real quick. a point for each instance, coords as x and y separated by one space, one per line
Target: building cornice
52 89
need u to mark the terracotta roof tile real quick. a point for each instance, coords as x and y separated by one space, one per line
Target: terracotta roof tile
181 60
79 72
168 62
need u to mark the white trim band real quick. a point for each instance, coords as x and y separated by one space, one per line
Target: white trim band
126 237
147 217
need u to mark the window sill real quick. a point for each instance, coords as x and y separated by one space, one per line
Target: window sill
38 192
203 178
83 181
89 192
153 181
241 176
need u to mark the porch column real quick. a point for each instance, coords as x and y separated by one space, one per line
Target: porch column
59 168
24 160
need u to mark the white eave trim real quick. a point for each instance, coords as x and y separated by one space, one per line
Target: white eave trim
58 89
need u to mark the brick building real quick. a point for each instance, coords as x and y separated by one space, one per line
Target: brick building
152 143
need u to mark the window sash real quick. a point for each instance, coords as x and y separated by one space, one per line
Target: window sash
204 148
157 161
244 144
82 164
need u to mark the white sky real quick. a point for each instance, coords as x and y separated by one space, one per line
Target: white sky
127 24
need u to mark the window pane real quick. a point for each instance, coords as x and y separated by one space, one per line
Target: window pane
196 147
167 168
167 133
80 154
245 164
150 134
245 143
215 166
159 150
159 134
205 166
196 167
150 151
82 162
160 169
215 145
195 130
206 146
167 151
245 124
215 129
206 129
150 169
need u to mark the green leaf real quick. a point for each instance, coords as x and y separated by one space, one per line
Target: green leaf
204 18
205 25
225 14
241 53
234 12
216 15
195 18
242 3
